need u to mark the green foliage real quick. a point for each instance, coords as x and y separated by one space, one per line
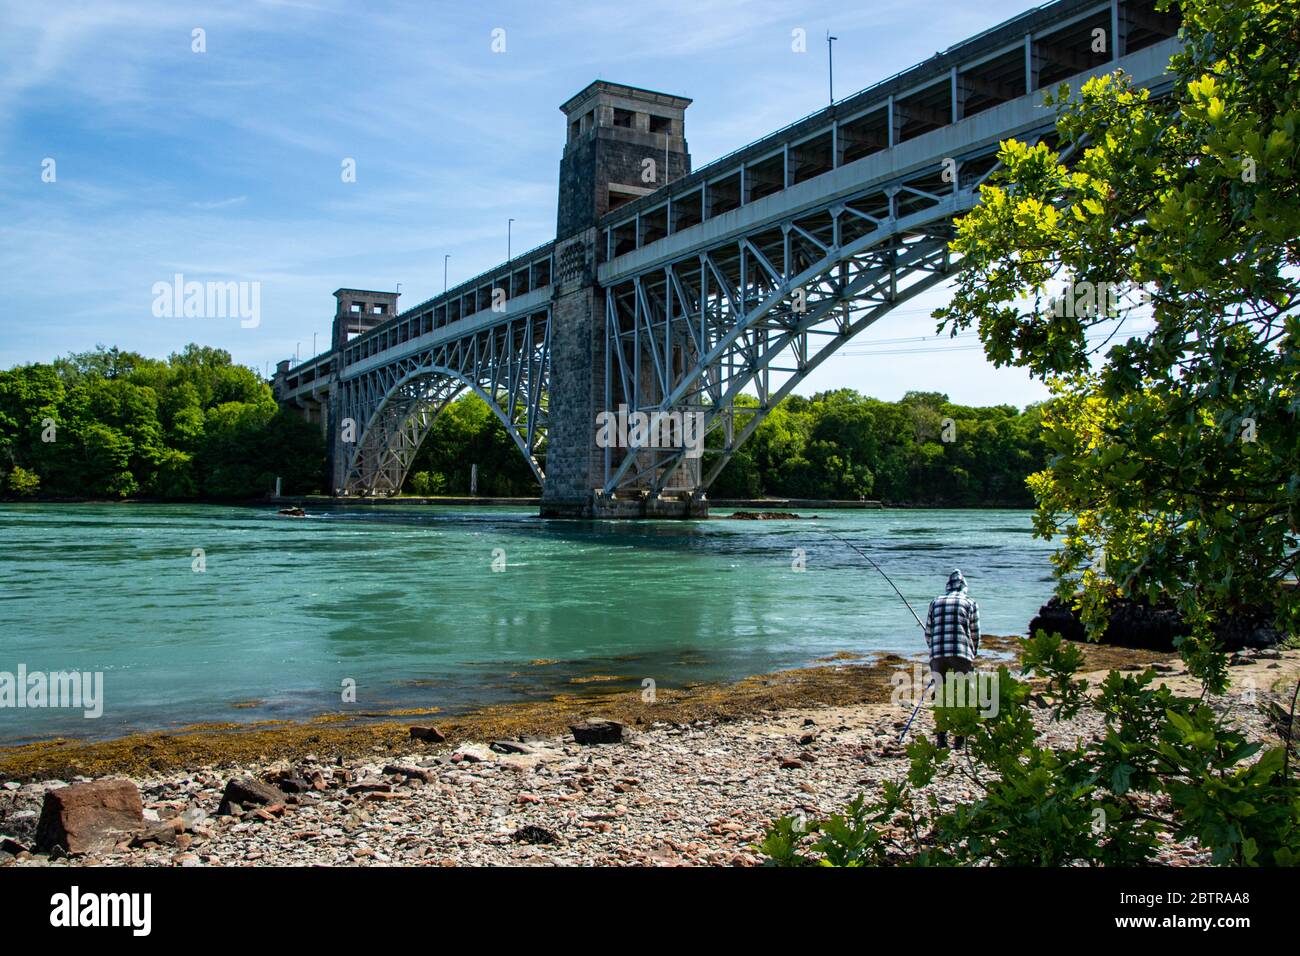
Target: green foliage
464 434
1164 767
781 844
1176 456
100 458
112 424
842 839
840 444
1057 660
426 483
1175 465
22 482
835 444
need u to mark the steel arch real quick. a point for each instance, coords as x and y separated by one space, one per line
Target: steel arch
399 426
395 404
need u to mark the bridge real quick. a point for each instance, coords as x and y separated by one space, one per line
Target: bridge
669 292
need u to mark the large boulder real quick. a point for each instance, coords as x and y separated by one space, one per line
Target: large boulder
246 792
511 747
1137 623
598 732
89 817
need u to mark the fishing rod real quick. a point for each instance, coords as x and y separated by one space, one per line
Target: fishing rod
917 709
867 558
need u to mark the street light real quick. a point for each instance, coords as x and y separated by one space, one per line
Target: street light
444 272
509 223
830 65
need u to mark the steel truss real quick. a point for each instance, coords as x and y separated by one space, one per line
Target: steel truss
760 311
394 405
756 312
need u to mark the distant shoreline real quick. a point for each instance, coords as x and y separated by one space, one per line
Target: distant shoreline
323 501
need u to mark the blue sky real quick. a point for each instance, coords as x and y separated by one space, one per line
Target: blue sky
225 165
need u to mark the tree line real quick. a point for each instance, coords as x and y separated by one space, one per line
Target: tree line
923 449
115 424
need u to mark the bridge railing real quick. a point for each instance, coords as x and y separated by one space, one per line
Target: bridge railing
509 266
882 86
309 373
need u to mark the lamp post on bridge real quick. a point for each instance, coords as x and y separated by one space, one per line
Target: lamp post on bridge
830 65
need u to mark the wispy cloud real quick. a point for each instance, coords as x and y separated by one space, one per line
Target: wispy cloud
219 203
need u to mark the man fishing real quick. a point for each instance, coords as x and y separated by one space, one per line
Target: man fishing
952 632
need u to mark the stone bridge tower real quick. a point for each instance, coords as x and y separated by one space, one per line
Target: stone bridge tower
357 311
623 143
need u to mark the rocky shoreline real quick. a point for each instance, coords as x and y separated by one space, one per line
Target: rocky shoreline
668 792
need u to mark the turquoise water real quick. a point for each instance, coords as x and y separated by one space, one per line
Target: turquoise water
404 602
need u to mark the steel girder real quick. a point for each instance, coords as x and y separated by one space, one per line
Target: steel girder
393 406
760 310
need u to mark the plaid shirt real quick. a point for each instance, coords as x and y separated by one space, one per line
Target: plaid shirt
952 627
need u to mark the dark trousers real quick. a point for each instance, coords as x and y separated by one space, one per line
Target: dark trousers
939 667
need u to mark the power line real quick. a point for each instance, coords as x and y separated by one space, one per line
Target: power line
920 338
919 351
870 350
